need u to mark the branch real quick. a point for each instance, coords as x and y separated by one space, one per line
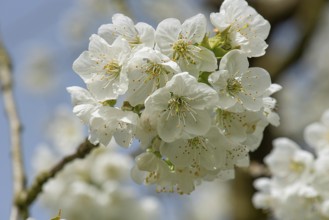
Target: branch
26 199
309 19
19 179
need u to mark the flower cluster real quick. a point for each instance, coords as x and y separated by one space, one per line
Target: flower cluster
298 188
189 98
101 181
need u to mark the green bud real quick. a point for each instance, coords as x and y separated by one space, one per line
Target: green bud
110 102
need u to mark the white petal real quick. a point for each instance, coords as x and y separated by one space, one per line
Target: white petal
84 111
166 34
226 101
169 128
146 34
98 132
249 102
314 134
234 62
123 137
98 45
198 123
273 89
194 28
256 81
206 59
107 31
325 118
120 49
103 90
80 95
84 66
177 153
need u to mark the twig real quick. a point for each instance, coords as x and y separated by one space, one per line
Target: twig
309 19
23 196
257 170
36 188
19 179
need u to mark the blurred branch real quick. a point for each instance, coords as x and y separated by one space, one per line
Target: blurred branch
242 192
257 169
25 200
19 179
307 15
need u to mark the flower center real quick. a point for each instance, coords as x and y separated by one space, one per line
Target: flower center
198 143
181 50
180 47
296 167
222 118
154 71
233 86
134 41
179 106
112 68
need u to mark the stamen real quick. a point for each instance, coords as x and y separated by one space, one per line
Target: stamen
179 106
182 49
112 68
234 86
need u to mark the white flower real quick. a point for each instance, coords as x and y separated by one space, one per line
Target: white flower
39 72
65 130
325 208
264 198
151 169
185 179
246 29
124 27
269 104
317 134
321 169
236 155
181 107
206 151
288 163
242 127
108 121
97 188
44 158
298 188
146 130
238 86
84 104
298 202
148 71
195 121
178 41
111 167
150 208
102 67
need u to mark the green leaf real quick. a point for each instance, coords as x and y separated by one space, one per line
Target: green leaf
203 77
219 52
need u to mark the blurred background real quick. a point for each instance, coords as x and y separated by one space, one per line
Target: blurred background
43 38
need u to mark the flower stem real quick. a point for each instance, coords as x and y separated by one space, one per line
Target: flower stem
19 179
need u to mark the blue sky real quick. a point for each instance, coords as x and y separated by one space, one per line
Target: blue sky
23 24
